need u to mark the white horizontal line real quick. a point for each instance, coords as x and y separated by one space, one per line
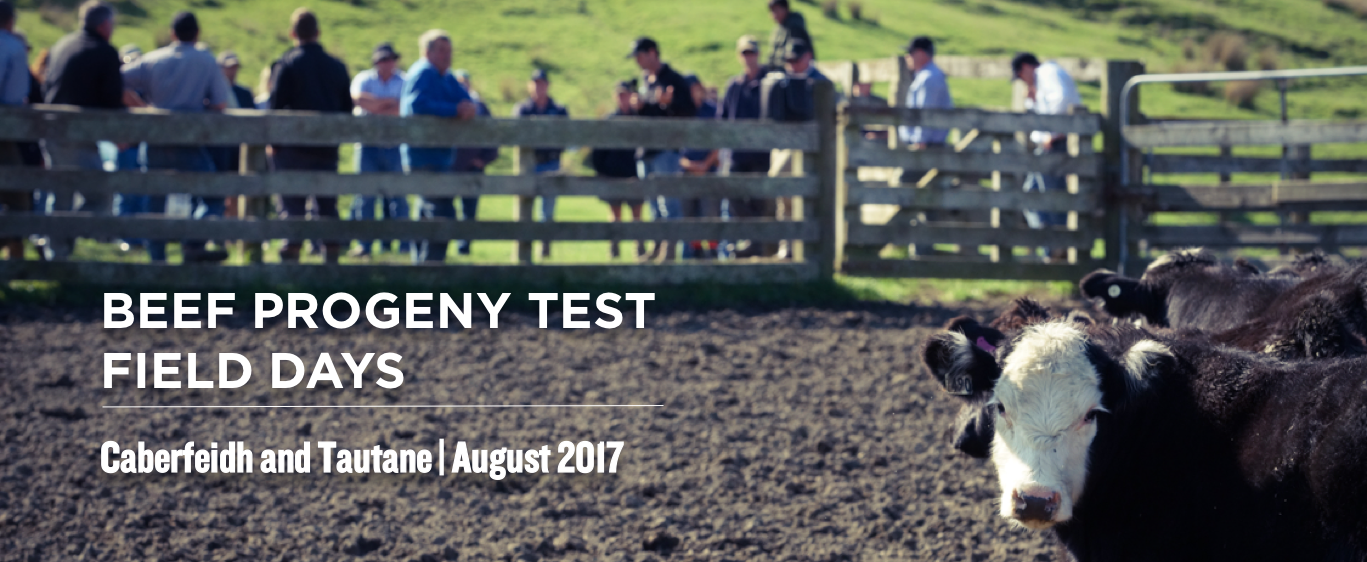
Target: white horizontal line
409 406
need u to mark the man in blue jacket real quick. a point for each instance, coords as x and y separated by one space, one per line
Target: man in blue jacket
430 89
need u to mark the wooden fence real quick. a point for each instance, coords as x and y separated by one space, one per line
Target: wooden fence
1292 197
969 193
814 184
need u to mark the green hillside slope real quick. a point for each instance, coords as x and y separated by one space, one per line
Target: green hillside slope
582 42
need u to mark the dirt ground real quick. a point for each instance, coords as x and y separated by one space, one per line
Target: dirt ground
796 434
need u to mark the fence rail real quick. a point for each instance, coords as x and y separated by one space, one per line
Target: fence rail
302 128
853 195
1291 198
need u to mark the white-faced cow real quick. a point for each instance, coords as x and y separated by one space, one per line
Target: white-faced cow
1135 446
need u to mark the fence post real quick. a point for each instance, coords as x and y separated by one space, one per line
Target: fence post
1122 219
828 207
524 164
252 160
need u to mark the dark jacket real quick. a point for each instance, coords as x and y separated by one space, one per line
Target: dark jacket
614 163
243 96
793 28
527 108
466 155
309 79
84 71
740 102
681 106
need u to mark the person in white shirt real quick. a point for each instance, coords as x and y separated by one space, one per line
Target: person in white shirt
928 91
376 91
1049 91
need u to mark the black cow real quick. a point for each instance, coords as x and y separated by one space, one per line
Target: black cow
1188 289
1136 446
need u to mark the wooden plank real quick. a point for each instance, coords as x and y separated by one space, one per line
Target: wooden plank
992 68
1187 164
1298 235
868 153
972 235
88 226
334 277
1237 133
1243 197
970 118
828 205
959 198
326 129
965 269
429 184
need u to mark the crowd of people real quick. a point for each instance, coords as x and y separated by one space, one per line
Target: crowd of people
84 69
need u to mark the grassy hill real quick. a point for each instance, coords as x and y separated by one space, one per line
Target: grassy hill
582 42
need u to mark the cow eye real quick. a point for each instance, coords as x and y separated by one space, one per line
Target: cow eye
1091 416
1001 409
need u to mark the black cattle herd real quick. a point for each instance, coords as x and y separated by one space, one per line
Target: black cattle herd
1205 411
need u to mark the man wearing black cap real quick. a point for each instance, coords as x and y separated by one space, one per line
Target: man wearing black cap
309 79
790 27
664 93
789 97
183 78
540 104
1049 91
376 91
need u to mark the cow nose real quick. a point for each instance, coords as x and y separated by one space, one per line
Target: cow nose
1035 505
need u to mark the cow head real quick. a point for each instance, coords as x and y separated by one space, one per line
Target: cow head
1122 297
1051 386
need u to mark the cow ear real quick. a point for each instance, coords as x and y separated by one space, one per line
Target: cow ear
1120 294
1022 312
969 327
962 366
1143 361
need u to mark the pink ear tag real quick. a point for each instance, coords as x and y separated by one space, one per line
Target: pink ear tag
983 345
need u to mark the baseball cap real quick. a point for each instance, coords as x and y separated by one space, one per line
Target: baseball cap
539 74
643 44
627 85
228 59
383 52
921 43
747 44
795 50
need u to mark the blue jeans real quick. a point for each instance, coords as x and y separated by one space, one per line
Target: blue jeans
662 164
433 161
183 159
1035 181
131 159
376 160
665 208
547 201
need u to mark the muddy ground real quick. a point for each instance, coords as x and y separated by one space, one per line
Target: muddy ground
796 434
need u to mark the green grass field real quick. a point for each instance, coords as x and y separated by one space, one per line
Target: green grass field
582 44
